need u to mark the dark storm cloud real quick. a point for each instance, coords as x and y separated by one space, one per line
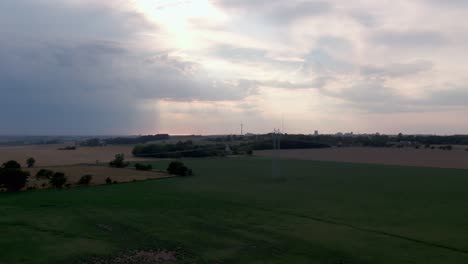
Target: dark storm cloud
70 70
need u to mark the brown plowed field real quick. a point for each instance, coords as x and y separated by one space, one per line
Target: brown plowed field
100 174
457 158
50 155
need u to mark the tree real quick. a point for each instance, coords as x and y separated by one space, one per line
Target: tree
119 161
108 180
58 180
178 168
31 161
143 167
44 174
86 179
12 178
12 164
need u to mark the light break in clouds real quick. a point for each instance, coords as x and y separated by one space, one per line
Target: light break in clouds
205 66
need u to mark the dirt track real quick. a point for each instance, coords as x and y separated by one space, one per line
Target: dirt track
457 158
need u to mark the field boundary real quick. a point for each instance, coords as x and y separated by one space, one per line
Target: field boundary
354 227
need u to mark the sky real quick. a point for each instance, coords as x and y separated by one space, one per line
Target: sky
100 67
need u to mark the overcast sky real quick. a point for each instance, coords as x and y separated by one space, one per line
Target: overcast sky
205 66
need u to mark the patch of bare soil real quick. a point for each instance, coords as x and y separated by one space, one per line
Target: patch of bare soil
456 158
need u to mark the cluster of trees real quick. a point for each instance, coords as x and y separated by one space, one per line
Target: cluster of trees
178 150
96 142
373 140
56 179
179 168
68 148
92 142
143 167
137 140
119 161
12 177
448 147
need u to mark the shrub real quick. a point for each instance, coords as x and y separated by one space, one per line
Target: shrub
178 168
108 180
68 148
12 178
448 147
85 179
143 167
31 161
249 152
58 180
12 164
119 161
44 174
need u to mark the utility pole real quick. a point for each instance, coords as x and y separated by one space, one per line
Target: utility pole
275 171
282 122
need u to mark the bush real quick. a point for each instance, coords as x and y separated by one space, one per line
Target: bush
68 148
31 161
119 161
12 178
58 180
108 180
143 167
178 168
44 174
12 164
85 179
448 147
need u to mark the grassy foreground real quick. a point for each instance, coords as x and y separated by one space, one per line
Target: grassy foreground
233 211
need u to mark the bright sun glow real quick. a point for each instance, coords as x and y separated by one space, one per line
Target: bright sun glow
176 16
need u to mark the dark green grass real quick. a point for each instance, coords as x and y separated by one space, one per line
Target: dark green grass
233 211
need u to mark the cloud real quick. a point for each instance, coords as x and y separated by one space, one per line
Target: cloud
409 39
277 11
95 66
91 78
397 69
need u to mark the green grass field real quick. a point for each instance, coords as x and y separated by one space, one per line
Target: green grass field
233 211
